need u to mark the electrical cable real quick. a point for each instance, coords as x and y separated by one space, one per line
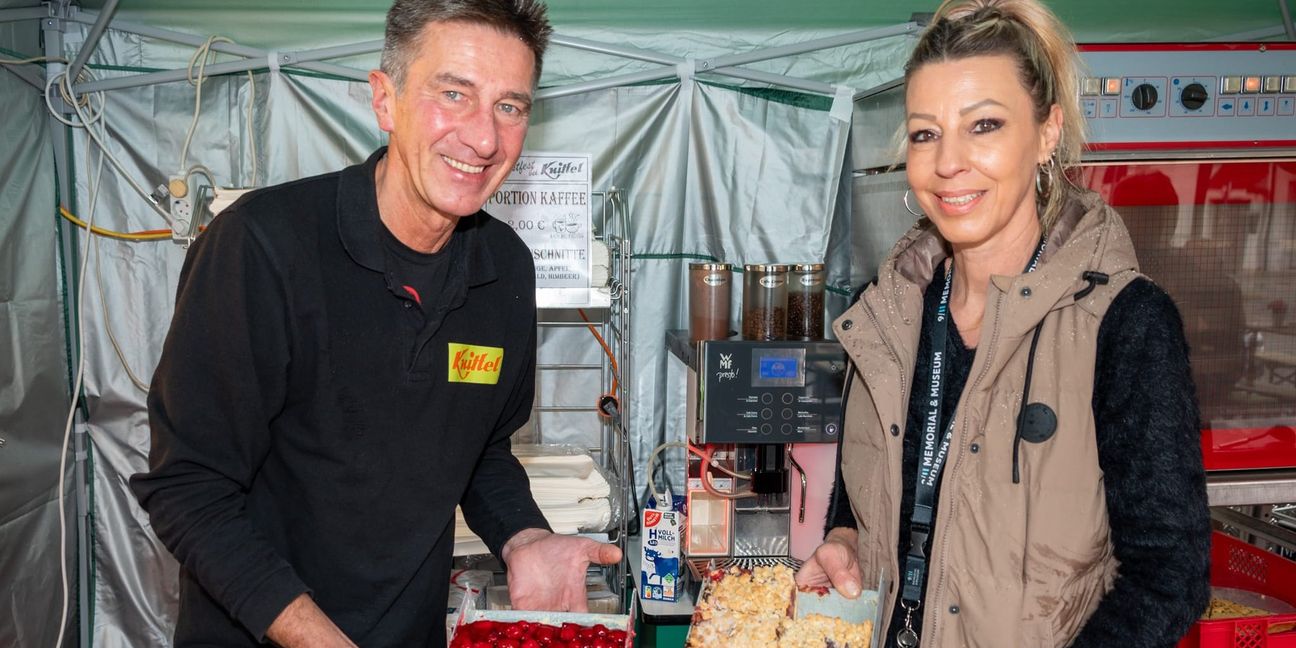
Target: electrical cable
251 131
145 235
77 383
200 58
616 371
66 94
112 338
101 141
34 59
735 475
652 463
201 170
707 485
707 461
609 404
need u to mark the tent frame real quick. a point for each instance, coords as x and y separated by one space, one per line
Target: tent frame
669 66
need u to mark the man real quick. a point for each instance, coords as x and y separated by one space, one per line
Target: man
349 356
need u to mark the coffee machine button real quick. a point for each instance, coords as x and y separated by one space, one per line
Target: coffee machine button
767 398
766 428
788 398
786 429
767 414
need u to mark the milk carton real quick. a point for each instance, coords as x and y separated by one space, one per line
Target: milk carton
663 526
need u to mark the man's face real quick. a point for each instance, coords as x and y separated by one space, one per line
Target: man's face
458 122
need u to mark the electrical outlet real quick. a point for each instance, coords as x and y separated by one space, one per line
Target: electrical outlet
181 220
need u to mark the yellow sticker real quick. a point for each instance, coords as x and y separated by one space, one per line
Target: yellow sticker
470 363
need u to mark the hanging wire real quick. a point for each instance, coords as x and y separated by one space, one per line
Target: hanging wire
145 235
34 59
100 139
607 350
200 58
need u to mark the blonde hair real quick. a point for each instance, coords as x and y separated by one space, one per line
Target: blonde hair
1027 32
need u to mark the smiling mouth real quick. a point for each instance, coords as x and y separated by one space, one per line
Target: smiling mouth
961 200
463 166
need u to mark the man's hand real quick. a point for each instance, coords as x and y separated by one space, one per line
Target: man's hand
546 571
834 563
303 624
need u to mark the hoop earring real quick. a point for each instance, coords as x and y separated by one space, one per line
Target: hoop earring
917 214
1044 178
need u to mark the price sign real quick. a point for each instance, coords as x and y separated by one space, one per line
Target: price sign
546 200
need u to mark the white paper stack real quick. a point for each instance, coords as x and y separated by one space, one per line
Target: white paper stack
571 493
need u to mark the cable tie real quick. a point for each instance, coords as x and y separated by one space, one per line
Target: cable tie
272 61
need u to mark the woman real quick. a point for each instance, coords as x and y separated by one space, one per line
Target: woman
1020 457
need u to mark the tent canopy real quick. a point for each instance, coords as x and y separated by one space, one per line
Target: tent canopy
260 23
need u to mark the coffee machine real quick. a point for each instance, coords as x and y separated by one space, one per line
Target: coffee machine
762 419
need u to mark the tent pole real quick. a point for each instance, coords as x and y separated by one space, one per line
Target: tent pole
723 65
606 83
1247 36
92 39
23 13
666 59
88 18
622 51
815 45
53 28
81 453
228 67
804 85
879 89
309 58
29 74
1287 20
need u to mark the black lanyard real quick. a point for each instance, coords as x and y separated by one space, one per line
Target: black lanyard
931 460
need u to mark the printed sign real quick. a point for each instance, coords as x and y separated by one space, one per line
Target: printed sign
546 200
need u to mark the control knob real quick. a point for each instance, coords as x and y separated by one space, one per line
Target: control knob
1193 96
1144 96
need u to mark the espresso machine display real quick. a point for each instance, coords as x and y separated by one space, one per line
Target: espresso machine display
744 391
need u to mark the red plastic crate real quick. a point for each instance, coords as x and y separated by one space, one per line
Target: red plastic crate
1239 565
1273 446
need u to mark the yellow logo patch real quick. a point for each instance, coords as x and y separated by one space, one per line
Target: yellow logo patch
470 363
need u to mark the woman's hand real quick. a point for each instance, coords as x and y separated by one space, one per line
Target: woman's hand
835 563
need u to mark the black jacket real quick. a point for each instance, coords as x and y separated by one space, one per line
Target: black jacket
312 431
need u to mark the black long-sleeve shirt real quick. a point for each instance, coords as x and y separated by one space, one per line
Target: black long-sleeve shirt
1146 420
313 430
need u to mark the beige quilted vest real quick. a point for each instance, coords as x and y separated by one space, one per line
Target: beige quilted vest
1012 565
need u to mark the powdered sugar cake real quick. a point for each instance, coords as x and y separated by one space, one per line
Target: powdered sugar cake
755 608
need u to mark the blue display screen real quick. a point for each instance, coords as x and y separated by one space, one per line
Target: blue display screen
779 367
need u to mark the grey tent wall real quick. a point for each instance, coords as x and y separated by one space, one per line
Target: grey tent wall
707 168
34 374
696 185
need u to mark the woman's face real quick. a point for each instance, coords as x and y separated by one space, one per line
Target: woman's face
973 148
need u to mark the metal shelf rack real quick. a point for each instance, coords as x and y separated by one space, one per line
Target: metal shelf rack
612 321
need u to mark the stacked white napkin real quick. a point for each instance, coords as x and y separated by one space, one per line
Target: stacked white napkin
572 495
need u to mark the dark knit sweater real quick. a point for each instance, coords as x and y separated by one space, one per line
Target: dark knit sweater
1147 425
